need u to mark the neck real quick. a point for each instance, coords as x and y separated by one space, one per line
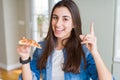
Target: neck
60 44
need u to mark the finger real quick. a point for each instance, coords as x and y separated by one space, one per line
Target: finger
87 42
91 29
81 37
85 37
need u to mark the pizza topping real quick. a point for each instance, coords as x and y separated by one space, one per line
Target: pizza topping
30 42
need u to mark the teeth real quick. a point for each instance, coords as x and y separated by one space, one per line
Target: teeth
59 29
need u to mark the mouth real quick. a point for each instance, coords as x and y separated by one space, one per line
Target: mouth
59 30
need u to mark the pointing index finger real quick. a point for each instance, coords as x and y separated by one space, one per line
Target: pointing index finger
91 29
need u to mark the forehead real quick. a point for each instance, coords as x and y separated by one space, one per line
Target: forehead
62 11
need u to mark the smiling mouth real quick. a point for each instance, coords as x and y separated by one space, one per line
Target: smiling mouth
59 30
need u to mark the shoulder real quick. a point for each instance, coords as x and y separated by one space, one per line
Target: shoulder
38 51
42 43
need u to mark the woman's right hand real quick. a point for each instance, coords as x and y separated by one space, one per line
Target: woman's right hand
24 51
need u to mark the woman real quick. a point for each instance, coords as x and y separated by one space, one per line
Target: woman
66 54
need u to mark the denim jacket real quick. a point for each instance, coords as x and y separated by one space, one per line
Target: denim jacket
90 72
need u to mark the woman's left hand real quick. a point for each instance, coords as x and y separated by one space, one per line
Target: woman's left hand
90 40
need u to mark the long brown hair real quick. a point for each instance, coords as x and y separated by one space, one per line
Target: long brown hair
74 52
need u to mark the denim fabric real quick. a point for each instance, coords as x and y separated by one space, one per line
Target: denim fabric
85 73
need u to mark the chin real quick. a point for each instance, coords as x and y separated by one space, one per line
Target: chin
58 36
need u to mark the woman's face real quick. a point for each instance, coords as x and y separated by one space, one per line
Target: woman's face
62 22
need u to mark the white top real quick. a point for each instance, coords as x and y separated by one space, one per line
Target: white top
57 64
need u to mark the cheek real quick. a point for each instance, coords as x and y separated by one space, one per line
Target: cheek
69 26
69 23
68 29
53 24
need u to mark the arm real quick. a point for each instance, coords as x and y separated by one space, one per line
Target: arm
103 72
26 72
29 70
24 52
90 41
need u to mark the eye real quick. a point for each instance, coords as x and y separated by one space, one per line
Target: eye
65 19
54 17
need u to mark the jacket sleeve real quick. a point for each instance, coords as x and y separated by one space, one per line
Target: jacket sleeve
33 66
91 66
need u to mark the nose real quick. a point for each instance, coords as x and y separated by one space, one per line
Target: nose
59 22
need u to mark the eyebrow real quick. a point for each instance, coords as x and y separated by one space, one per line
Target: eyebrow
62 16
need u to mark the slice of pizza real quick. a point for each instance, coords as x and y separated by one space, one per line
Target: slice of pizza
30 42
